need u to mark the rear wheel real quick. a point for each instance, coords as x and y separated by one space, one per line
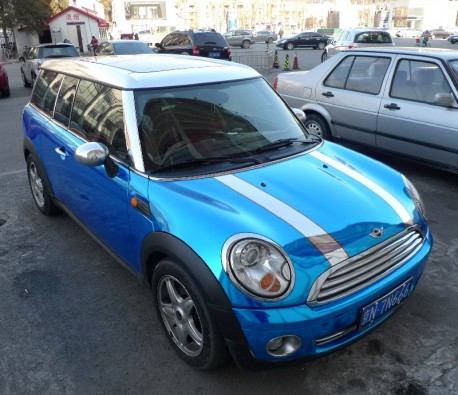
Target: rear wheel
186 317
321 45
290 46
6 92
40 192
316 125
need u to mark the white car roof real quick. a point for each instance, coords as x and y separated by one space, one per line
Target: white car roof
147 71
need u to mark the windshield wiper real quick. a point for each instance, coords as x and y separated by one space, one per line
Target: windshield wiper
280 144
207 161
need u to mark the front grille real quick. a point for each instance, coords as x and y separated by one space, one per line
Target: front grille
364 269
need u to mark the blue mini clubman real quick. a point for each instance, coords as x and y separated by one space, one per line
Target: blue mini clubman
259 241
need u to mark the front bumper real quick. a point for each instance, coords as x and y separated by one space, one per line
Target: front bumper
322 329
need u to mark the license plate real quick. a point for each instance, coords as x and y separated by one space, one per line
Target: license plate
371 313
214 55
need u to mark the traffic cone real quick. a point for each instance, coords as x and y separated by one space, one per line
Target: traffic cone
286 67
295 62
276 65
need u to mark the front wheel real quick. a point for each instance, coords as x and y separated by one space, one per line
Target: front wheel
324 56
246 44
315 125
186 318
270 40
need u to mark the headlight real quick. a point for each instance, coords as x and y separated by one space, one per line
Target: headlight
258 267
415 196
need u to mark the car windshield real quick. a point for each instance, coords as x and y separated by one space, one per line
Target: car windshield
232 124
131 48
63 51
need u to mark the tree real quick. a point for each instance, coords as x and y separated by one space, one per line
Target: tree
30 14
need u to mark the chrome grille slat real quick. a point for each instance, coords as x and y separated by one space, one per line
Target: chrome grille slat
364 269
376 264
365 259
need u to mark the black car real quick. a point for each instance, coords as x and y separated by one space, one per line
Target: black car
305 39
205 43
453 38
123 47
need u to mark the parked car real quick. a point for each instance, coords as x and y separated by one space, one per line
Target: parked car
208 44
304 40
357 38
264 36
197 177
453 38
35 57
4 82
410 33
398 100
123 47
240 38
437 33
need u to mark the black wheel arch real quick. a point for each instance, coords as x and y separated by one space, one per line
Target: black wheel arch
159 245
29 149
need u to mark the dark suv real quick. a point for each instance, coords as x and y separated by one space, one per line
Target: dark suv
209 44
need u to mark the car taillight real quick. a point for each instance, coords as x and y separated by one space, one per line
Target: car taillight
275 83
195 51
351 46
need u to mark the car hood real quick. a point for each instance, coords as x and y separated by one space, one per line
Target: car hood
320 207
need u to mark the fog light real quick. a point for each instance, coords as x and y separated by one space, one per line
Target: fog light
283 345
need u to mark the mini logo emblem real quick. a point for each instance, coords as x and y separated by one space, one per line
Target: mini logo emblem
377 232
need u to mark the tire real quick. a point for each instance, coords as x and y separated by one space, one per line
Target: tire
24 80
324 56
452 41
6 92
321 45
186 318
270 40
246 44
290 46
40 192
316 125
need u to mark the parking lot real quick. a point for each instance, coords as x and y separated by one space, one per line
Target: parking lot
74 321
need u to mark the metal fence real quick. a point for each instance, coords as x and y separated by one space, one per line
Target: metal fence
255 59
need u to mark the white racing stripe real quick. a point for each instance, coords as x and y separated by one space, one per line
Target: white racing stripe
377 189
322 240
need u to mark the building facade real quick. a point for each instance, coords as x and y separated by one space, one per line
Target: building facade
161 17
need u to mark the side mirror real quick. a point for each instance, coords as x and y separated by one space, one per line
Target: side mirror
158 45
299 114
443 99
91 154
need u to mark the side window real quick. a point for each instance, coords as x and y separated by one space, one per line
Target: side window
98 116
45 90
360 73
65 100
420 81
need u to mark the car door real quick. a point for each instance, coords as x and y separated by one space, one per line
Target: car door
96 196
412 120
351 95
28 66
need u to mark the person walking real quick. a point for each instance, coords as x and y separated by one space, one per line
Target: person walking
94 44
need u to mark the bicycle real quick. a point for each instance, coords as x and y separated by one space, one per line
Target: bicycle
10 53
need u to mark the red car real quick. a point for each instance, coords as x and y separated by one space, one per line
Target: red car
4 85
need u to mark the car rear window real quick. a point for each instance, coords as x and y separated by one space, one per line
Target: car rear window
210 38
58 51
373 37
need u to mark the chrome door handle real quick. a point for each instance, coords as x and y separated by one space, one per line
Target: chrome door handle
61 151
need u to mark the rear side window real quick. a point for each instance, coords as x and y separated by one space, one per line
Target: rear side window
45 90
98 116
373 38
359 73
65 100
